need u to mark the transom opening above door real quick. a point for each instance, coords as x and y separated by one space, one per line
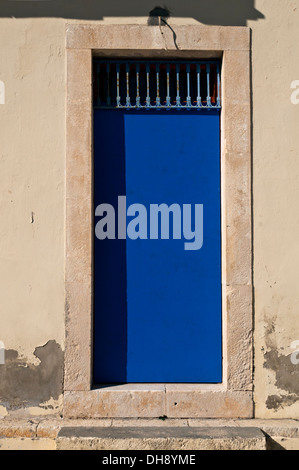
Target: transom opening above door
131 84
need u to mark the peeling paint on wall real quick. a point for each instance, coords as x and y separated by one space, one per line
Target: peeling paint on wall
24 384
2 353
286 390
287 379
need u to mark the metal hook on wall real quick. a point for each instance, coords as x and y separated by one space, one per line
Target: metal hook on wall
160 15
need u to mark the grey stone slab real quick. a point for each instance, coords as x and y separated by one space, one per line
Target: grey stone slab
157 438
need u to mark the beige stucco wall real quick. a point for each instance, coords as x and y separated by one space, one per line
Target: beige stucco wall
276 203
32 182
32 205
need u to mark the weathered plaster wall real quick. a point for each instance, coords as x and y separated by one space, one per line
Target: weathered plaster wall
32 155
32 147
275 49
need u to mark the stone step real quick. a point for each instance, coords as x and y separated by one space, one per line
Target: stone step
157 438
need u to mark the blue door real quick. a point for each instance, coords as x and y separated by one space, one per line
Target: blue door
157 276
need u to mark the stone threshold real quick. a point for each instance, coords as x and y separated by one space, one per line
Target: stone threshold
182 438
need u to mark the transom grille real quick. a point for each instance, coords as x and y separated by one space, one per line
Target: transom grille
135 84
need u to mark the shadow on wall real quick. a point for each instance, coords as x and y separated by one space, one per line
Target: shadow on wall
210 12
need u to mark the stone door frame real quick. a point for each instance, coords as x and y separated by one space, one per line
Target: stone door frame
234 397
